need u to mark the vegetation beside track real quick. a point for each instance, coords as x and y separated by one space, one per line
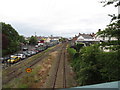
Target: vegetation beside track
93 66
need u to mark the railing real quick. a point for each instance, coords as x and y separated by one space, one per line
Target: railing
115 84
103 86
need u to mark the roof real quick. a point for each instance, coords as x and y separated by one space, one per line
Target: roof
89 40
85 36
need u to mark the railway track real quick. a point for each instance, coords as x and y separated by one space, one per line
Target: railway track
15 72
64 66
60 69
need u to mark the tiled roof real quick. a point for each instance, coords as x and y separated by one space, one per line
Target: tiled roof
87 36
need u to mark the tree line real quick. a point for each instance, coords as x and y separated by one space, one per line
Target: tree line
12 41
93 65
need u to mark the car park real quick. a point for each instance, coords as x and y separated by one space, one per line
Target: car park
11 59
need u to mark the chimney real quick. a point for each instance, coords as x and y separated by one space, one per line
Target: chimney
99 30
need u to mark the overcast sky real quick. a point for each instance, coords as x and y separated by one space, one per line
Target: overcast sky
55 17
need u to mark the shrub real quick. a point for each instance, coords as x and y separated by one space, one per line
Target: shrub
71 51
93 66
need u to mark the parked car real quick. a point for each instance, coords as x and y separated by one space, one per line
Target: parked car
13 59
36 50
36 46
4 59
25 49
12 55
1 59
40 49
27 54
22 56
31 52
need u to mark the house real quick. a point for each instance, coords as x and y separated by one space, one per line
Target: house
55 39
47 39
86 38
42 40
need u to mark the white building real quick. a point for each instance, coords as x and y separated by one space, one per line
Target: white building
48 40
105 38
86 38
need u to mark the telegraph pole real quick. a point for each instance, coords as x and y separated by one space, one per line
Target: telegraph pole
35 34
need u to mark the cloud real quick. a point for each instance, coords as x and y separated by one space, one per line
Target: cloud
57 17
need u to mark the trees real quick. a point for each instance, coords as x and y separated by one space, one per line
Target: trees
10 39
113 29
109 2
22 39
6 41
109 66
85 65
94 66
32 40
89 67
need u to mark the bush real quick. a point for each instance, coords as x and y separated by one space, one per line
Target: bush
71 51
93 66
88 66
110 66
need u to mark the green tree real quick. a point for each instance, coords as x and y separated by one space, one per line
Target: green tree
32 40
109 66
89 67
22 39
113 29
10 39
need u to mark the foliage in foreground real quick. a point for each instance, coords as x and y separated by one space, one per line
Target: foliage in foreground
93 66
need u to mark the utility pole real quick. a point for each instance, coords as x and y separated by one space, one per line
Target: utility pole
35 34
